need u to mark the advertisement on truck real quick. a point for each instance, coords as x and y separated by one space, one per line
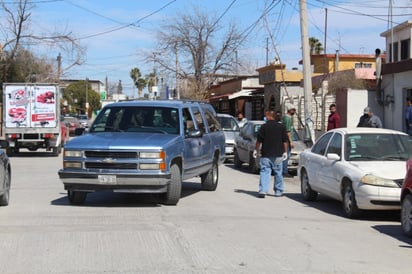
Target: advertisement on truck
32 117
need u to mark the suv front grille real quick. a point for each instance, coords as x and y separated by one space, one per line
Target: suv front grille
111 154
100 165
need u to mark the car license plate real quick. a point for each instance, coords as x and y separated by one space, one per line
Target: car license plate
107 179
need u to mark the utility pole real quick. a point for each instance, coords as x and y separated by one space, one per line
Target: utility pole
59 66
307 80
267 51
87 97
177 94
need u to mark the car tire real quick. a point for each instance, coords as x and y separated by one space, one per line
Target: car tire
307 193
5 197
174 189
350 207
236 160
76 197
210 179
253 164
406 215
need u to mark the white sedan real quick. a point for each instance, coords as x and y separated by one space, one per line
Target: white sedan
362 167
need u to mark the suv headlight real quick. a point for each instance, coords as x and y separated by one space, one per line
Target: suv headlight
72 153
370 179
159 158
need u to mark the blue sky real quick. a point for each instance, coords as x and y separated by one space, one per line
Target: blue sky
352 27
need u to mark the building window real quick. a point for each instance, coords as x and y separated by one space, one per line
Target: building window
405 49
363 65
396 52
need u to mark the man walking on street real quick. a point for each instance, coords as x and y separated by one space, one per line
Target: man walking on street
272 142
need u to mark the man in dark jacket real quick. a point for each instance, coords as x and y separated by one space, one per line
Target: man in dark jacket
334 118
272 141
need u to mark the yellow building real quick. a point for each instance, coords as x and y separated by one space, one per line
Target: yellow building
330 63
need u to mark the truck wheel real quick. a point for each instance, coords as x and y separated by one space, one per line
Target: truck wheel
76 197
9 151
210 179
4 198
174 189
56 150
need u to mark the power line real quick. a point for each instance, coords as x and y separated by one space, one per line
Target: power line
127 25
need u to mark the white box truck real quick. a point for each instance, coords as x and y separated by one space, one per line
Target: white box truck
31 117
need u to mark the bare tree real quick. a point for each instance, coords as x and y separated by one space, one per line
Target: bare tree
194 47
16 33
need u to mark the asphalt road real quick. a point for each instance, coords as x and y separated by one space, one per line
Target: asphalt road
226 231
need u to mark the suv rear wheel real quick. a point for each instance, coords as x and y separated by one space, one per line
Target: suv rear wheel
210 179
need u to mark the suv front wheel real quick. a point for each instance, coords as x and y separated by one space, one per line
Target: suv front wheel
174 189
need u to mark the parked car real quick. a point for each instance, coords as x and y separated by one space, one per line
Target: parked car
361 167
299 146
231 129
145 147
73 123
245 144
5 174
406 201
83 120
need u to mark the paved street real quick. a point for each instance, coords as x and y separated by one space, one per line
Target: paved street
227 231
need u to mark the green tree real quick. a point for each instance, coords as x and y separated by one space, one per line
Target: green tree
138 81
316 46
75 95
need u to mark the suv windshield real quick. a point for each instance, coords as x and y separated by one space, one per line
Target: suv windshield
137 119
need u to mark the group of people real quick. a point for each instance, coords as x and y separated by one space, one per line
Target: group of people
368 119
274 141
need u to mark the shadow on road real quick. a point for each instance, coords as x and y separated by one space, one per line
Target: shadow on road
112 199
395 231
334 207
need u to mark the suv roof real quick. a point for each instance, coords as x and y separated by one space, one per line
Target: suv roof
165 103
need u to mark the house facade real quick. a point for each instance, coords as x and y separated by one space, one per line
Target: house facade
395 83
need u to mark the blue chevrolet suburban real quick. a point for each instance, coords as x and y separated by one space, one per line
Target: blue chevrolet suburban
145 147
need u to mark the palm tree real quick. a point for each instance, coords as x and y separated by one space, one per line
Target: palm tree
138 81
315 46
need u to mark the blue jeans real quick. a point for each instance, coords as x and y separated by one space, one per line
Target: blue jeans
267 165
285 163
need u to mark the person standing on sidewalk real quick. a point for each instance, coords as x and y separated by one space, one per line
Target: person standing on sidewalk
272 141
333 118
288 123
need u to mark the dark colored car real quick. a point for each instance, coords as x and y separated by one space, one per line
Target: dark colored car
406 200
72 123
245 144
5 174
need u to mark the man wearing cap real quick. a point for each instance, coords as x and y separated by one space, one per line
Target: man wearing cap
288 123
368 119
